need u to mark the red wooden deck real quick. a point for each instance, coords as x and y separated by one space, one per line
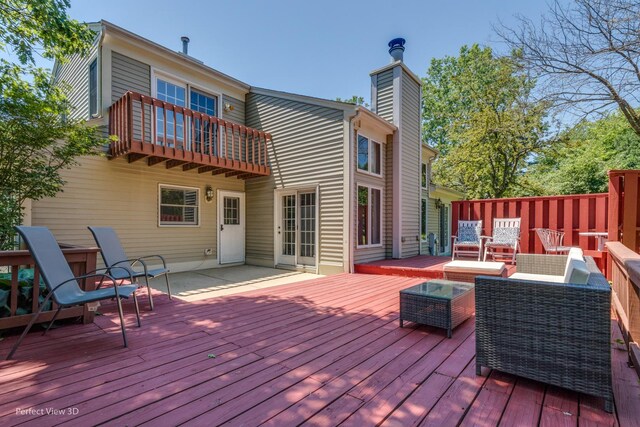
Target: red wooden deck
426 266
321 352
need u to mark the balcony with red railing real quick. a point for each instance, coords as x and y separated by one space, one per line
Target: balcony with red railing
162 132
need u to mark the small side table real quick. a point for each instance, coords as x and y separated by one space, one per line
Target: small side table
439 303
601 237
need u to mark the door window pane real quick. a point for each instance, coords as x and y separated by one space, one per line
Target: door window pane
289 225
176 95
231 214
307 224
178 206
204 133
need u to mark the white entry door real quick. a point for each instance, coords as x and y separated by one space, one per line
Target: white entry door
296 228
231 227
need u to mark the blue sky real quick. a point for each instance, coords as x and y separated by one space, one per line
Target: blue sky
324 48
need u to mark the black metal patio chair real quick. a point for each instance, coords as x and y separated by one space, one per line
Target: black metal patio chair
113 255
63 286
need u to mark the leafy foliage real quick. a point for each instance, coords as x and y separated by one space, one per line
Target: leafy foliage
355 99
579 161
36 141
41 25
477 111
586 53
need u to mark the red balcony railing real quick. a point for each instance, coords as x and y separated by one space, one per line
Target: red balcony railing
163 132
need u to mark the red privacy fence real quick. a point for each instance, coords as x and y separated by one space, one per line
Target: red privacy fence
570 214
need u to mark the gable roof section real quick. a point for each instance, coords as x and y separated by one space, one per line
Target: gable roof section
173 55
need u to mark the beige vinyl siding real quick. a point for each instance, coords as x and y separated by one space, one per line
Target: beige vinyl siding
388 198
74 76
307 151
433 221
410 170
384 95
238 113
125 196
128 74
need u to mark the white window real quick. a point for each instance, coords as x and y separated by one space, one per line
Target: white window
369 155
178 206
176 95
424 174
369 216
93 88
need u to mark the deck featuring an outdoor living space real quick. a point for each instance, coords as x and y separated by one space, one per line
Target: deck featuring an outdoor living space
324 351
426 266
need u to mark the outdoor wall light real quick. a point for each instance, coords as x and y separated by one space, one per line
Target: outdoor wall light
439 204
208 193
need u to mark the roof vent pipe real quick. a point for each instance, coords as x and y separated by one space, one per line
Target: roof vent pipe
396 49
185 44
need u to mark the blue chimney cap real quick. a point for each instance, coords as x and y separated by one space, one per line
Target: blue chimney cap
397 43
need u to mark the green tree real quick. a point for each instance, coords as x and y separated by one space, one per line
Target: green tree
478 112
36 141
578 162
355 99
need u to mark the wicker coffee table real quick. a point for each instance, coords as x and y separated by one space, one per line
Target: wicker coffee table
440 303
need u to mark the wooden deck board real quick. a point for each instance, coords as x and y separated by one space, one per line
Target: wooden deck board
320 352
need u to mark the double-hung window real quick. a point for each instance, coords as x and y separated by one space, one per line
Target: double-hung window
369 216
179 206
369 155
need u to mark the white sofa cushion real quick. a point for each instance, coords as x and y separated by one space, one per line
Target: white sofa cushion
579 273
537 277
475 267
575 254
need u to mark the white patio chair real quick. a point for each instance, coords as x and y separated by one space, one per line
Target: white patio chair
552 241
468 242
506 236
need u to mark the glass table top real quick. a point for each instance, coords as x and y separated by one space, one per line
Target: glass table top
445 289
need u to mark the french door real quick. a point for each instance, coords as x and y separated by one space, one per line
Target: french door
296 227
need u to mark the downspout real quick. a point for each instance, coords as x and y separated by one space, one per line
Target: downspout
350 188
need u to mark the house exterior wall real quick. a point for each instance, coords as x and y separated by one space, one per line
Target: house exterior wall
384 94
367 254
237 114
410 167
125 196
396 96
306 153
74 73
128 74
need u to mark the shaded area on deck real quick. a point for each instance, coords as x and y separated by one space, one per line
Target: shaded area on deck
426 266
323 351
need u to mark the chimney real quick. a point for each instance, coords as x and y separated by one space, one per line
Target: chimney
185 45
396 49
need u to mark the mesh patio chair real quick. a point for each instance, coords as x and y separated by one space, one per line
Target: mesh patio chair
468 242
552 241
63 286
506 236
113 255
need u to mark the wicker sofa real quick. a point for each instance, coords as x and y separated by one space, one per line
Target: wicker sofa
555 333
